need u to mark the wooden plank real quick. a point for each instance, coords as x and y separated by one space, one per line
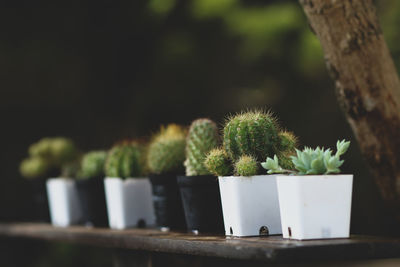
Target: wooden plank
272 249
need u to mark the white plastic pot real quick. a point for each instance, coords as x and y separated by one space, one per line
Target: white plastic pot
250 205
63 202
315 206
129 202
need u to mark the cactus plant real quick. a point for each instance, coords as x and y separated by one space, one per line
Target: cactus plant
58 153
92 164
218 163
202 137
311 161
246 166
34 167
252 133
166 152
255 135
125 160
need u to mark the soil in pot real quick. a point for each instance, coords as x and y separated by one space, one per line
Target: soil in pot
167 202
202 203
92 200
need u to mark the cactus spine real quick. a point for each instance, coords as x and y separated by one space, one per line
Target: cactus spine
248 139
202 137
251 133
166 151
125 160
218 163
246 166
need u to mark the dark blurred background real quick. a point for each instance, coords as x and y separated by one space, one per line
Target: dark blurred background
99 71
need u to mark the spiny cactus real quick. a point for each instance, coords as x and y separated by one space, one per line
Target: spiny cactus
257 135
202 137
311 161
58 153
92 164
246 166
218 163
57 149
166 151
252 133
34 167
125 160
287 141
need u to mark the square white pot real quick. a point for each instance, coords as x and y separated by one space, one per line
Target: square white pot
129 202
250 205
315 206
64 204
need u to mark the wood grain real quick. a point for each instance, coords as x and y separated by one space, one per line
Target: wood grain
272 249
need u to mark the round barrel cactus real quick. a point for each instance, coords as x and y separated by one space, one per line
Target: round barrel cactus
166 152
92 164
218 163
252 133
246 166
202 137
51 154
125 160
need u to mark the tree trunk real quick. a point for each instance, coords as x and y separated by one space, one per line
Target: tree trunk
367 84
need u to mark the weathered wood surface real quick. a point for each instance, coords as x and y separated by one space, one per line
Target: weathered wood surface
273 248
367 84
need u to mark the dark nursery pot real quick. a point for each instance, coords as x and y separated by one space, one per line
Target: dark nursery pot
39 203
202 203
167 202
92 200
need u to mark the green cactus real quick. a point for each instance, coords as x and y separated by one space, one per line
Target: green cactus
202 137
58 150
48 154
287 141
166 152
252 133
246 166
34 167
125 160
92 164
217 162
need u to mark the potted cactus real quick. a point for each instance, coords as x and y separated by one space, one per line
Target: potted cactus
90 187
165 158
127 189
250 200
56 157
315 200
199 188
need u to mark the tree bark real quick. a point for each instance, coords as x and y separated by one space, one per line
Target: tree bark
366 81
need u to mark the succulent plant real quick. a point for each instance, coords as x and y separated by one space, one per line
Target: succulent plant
287 141
92 164
34 167
246 166
57 149
125 160
58 153
311 161
250 138
166 152
251 133
202 137
218 163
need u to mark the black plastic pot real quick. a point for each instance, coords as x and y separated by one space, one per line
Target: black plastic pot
39 211
167 202
92 199
202 203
